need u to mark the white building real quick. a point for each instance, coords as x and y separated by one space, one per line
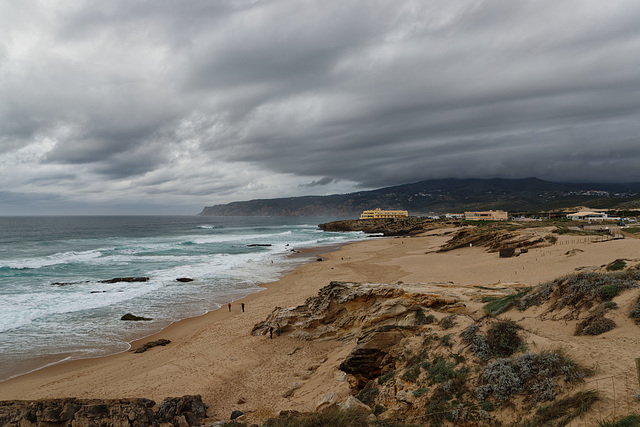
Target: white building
592 216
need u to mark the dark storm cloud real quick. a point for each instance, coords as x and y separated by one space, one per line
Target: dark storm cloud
202 102
323 181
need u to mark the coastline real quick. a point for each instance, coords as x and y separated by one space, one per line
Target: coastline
301 256
216 356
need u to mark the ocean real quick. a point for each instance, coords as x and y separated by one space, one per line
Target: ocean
54 305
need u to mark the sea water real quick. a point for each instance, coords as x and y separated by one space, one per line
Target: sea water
54 307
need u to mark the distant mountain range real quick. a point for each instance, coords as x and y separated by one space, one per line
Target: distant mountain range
446 195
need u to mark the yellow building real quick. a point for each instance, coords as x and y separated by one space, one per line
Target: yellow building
379 213
486 216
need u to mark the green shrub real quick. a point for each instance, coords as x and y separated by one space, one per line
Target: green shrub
632 420
412 373
562 411
386 377
635 311
503 338
447 340
608 292
350 418
595 325
421 391
617 265
368 393
503 304
421 319
448 322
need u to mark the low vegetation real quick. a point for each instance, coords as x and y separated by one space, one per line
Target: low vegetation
632 420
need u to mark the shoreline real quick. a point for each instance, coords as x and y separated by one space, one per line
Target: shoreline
302 256
215 355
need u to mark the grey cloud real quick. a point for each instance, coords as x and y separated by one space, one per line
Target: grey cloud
320 182
244 99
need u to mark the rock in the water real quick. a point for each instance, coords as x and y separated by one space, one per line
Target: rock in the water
131 317
184 279
125 279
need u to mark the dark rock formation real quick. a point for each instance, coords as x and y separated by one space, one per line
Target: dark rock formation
386 226
125 279
259 245
180 409
236 414
151 344
184 279
368 359
131 317
71 412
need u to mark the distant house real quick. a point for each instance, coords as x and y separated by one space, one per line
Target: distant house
591 216
454 216
379 213
486 216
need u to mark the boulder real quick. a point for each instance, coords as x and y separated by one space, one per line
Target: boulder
353 404
184 279
192 408
125 279
131 317
236 414
151 344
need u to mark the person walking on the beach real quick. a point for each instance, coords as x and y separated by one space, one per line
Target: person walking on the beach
278 329
229 306
271 332
242 305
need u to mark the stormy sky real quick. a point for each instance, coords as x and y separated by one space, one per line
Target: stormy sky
159 106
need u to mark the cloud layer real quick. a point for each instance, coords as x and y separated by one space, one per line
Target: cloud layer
171 105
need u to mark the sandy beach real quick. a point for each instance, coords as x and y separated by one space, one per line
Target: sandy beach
216 356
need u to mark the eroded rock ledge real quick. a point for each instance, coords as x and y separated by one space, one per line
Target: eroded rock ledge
344 310
71 412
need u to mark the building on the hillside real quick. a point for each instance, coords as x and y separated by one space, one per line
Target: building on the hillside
379 213
454 216
591 216
486 216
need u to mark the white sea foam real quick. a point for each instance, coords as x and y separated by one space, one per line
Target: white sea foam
49 260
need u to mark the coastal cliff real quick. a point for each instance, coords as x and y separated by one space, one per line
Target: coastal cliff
386 226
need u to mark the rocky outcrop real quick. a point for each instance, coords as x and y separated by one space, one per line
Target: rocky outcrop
125 279
386 226
344 310
493 239
177 411
371 355
151 344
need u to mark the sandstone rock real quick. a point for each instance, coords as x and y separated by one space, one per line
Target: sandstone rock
351 403
345 309
326 403
291 390
78 412
406 396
